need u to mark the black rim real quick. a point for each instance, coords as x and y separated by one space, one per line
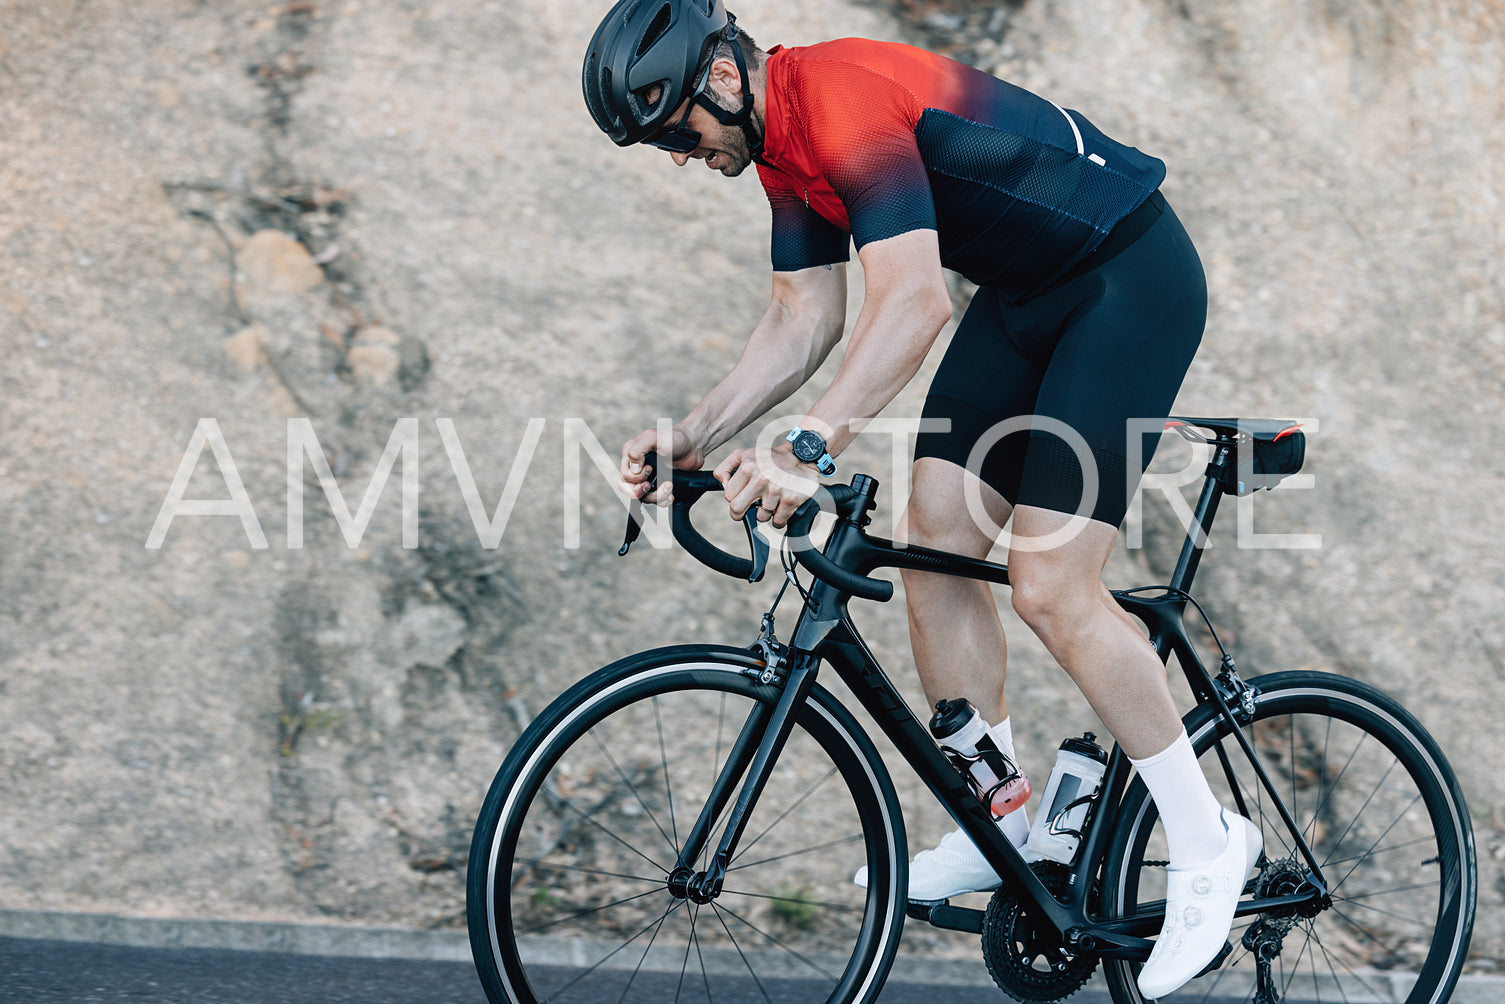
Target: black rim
585 856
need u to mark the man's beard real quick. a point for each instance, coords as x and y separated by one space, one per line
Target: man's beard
740 154
739 150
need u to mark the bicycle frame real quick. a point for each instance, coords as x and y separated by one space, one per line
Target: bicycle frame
825 633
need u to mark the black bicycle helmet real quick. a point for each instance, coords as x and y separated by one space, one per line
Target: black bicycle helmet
643 43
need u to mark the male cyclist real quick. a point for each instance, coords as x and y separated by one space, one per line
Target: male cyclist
1091 304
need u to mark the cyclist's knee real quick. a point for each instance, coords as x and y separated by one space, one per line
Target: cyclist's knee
1050 599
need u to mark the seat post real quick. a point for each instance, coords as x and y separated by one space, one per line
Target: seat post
1207 510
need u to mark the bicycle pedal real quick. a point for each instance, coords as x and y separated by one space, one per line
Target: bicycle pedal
1217 960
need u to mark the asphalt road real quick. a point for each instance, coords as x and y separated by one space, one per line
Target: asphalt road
69 972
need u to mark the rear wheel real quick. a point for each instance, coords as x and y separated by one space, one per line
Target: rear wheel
1378 804
569 894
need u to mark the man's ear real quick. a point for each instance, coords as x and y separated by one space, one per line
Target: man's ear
724 73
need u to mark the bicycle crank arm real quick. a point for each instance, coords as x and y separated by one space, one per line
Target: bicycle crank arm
944 915
1110 944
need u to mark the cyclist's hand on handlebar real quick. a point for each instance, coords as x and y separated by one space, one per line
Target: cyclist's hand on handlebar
684 454
773 478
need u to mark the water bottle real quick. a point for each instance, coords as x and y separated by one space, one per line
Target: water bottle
1074 783
963 735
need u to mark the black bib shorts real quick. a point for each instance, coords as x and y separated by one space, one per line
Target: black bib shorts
1108 345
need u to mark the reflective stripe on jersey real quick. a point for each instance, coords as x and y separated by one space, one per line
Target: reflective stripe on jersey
875 139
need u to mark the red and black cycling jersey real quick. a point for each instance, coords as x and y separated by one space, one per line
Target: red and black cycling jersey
876 139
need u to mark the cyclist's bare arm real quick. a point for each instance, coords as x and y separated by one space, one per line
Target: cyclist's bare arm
905 305
804 320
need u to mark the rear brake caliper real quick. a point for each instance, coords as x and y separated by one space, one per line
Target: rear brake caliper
1237 694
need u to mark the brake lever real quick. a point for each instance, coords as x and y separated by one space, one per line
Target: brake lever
634 525
635 508
757 543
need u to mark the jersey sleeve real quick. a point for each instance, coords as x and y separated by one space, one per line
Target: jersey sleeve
802 238
862 133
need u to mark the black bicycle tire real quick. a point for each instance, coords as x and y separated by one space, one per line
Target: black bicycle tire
1305 692
733 671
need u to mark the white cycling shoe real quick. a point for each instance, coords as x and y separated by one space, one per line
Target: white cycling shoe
953 867
1199 910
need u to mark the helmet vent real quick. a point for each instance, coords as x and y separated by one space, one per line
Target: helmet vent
656 29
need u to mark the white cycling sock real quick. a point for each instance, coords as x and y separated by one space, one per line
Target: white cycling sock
1015 825
1191 815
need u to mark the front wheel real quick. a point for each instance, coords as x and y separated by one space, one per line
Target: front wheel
1379 806
569 897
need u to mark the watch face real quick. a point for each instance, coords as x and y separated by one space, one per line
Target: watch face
808 446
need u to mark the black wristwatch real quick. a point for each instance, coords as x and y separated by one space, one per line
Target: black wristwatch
810 448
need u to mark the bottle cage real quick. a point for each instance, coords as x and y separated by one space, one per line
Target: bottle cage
991 756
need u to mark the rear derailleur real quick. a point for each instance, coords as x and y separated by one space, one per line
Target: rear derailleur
1263 940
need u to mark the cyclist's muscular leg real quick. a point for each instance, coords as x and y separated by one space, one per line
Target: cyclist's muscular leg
1060 594
958 640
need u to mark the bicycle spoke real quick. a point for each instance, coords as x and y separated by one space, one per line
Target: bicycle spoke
1408 918
779 943
1360 811
685 966
1337 980
540 863
847 907
1392 956
663 755
705 977
584 973
1353 973
1327 737
1316 985
1387 850
1332 789
735 944
644 957
794 854
1328 958
783 815
1393 823
570 805
1386 892
1292 731
587 913
673 845
1286 988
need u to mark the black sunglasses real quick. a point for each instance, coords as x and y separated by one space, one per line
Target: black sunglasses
678 138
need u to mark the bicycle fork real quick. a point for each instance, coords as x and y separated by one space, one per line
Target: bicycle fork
749 763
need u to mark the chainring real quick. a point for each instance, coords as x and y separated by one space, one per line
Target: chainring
1027 960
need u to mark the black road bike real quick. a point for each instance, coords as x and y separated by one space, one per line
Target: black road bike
684 824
